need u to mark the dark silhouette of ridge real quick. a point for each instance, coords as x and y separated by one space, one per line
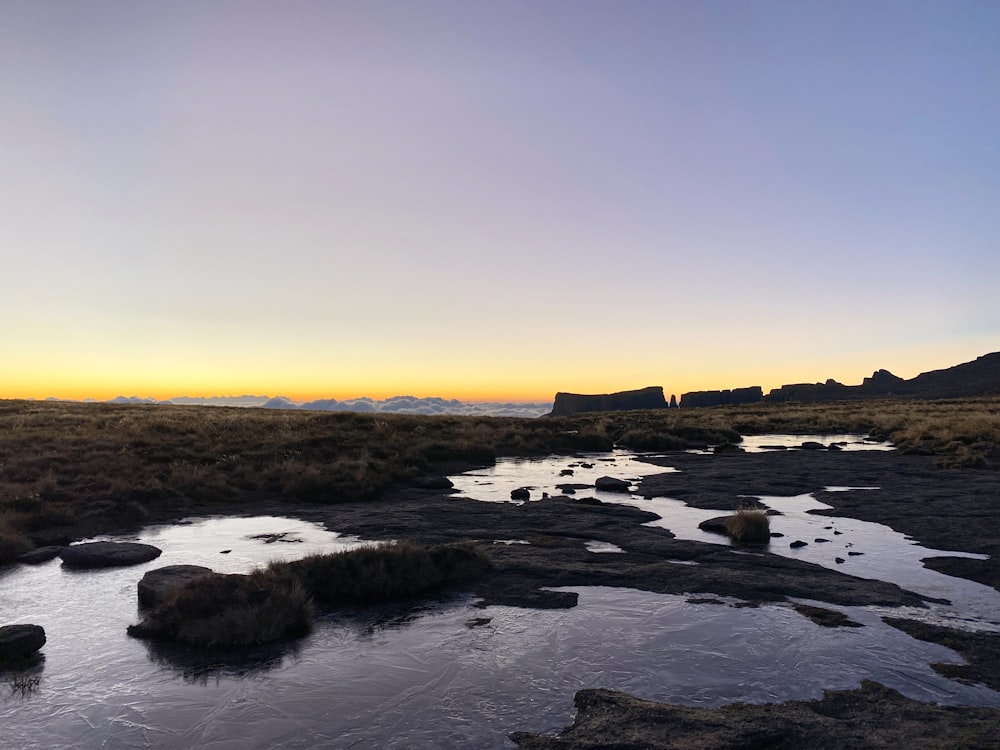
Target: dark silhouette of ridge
575 403
981 377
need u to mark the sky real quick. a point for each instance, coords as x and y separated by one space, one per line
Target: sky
493 200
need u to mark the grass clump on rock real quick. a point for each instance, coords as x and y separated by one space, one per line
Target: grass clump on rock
216 610
231 610
378 574
749 526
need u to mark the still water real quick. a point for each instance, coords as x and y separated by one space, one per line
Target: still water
448 674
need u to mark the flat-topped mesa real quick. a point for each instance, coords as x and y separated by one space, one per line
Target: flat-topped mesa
751 395
576 403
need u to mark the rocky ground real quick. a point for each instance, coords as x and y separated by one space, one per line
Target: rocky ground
945 509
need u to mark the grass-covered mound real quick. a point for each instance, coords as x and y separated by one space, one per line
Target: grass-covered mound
749 526
231 610
378 574
276 603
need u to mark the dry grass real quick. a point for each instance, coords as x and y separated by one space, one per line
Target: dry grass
72 469
385 573
217 610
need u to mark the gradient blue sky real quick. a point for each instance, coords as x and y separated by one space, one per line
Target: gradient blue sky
493 199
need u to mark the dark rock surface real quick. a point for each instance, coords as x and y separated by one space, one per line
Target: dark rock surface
155 584
559 527
650 397
827 618
980 650
107 554
873 716
611 484
40 555
20 642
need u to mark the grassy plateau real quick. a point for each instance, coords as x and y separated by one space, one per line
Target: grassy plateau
70 469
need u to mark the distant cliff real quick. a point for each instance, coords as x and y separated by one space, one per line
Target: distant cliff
750 395
980 377
575 403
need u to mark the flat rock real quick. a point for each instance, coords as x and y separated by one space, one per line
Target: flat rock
611 484
107 554
17 642
867 717
156 584
40 555
716 525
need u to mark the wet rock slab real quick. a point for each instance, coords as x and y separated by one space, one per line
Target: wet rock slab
107 554
872 716
40 555
156 584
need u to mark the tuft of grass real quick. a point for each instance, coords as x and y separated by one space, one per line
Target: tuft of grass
231 610
749 526
384 573
276 603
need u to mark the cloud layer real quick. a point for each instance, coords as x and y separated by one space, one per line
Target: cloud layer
393 405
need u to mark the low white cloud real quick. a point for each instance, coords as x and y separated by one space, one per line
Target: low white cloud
393 405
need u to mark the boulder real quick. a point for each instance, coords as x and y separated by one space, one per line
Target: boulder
611 484
107 554
18 642
812 445
40 555
156 584
717 525
432 483
521 493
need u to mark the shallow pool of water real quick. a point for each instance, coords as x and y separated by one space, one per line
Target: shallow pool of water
455 676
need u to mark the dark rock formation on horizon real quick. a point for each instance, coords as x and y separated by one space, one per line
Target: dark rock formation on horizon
750 395
575 403
981 377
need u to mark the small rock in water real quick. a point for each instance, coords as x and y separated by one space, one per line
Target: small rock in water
18 642
521 493
155 584
812 445
854 554
107 554
820 540
611 484
798 543
839 560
